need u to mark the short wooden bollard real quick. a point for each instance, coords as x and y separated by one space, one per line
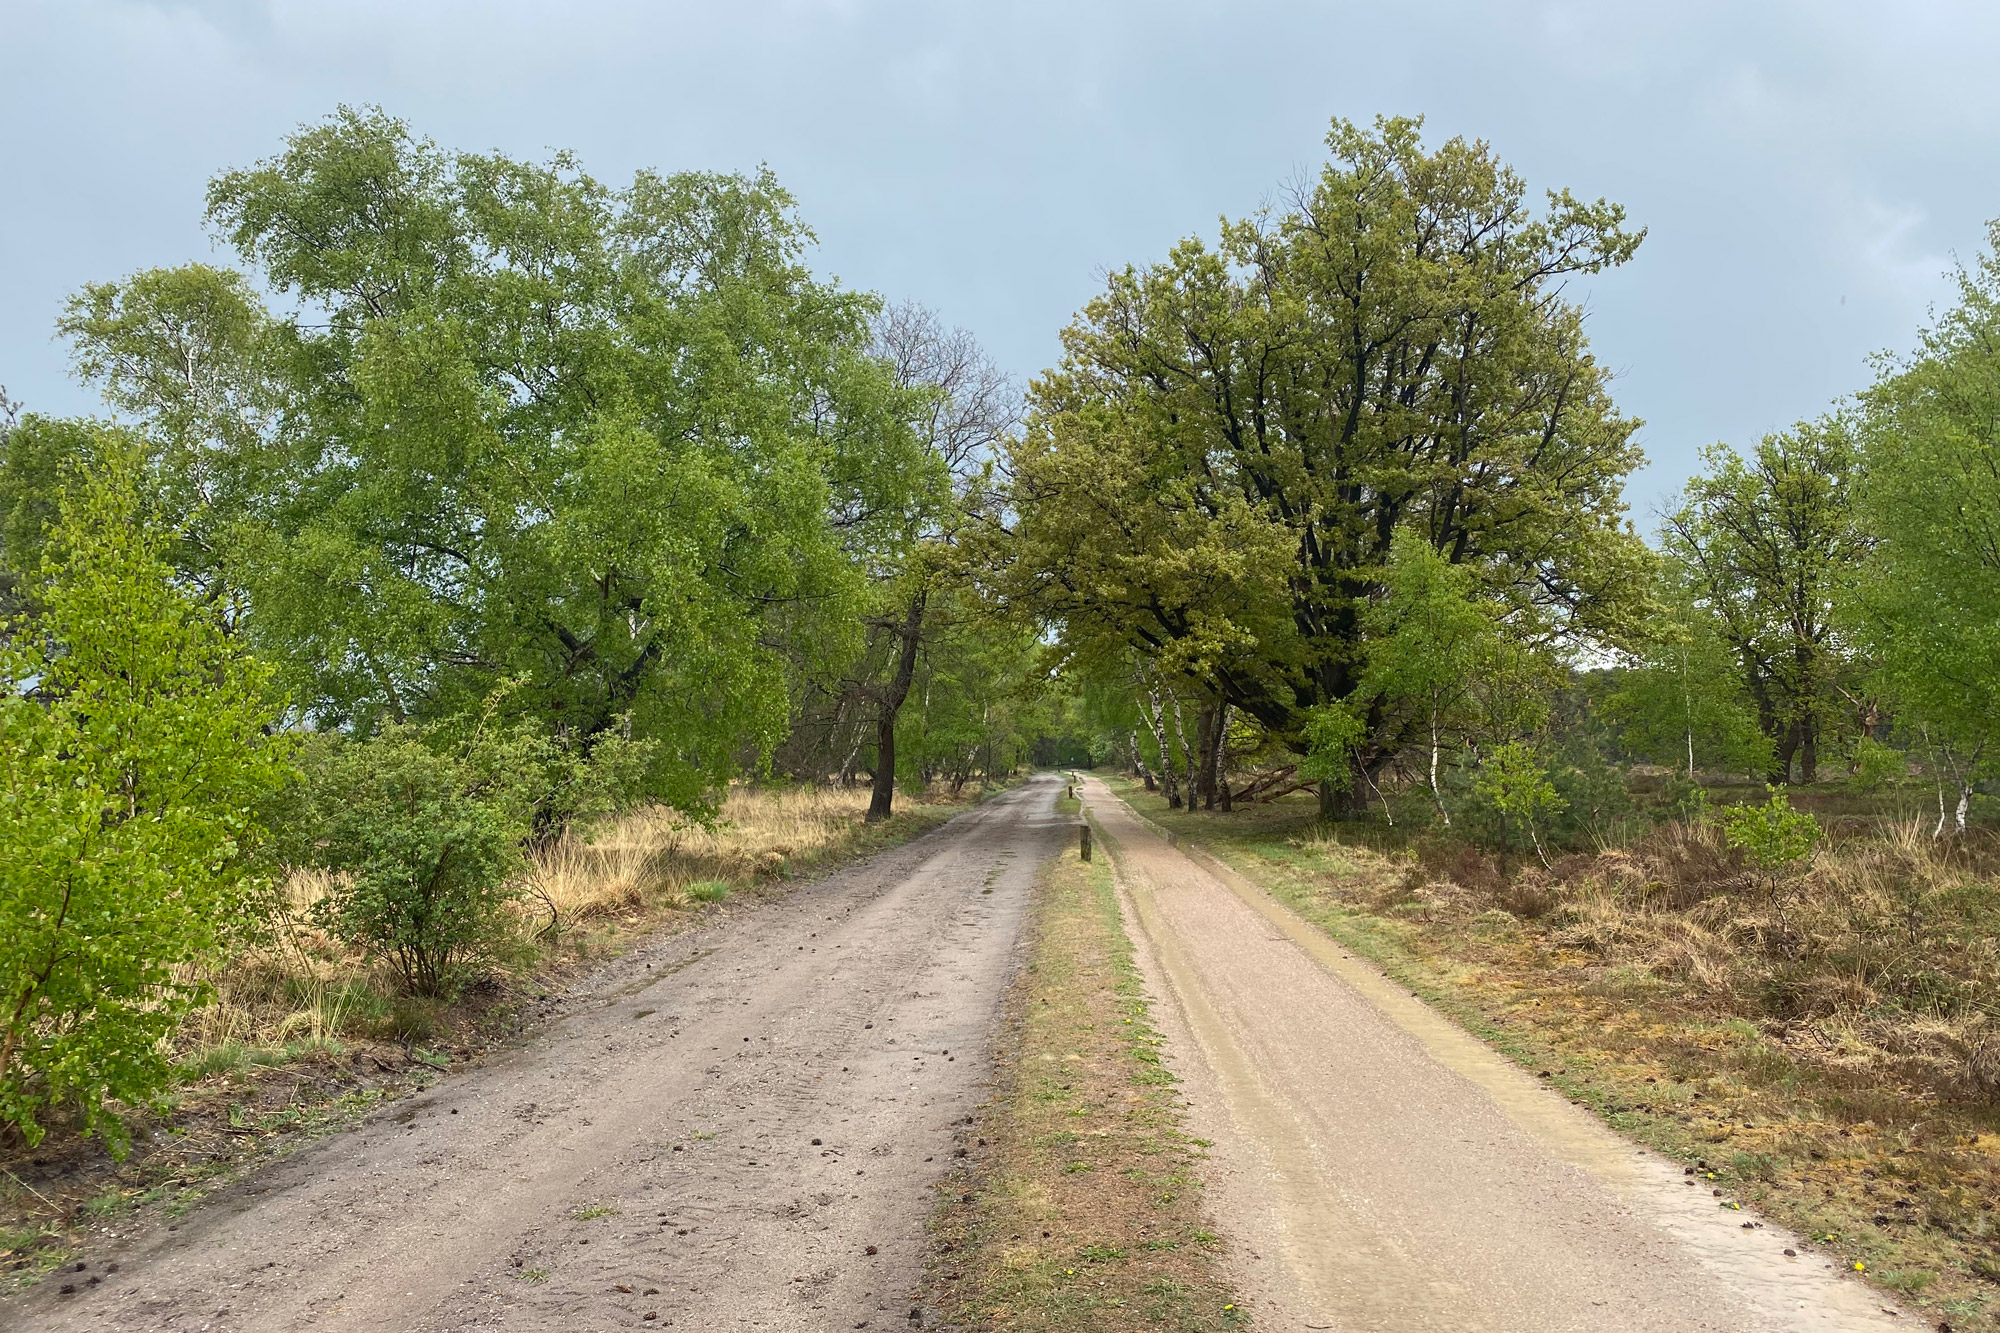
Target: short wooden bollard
1083 841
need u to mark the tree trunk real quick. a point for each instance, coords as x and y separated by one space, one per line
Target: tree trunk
1187 751
1781 772
1223 759
1153 717
1808 750
1358 787
881 803
1437 796
1205 739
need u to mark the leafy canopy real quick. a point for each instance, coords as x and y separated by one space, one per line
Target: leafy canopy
137 747
1929 600
616 446
1217 472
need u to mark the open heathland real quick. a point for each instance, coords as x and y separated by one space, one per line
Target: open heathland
1818 1050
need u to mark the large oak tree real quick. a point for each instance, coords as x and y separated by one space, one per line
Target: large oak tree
1216 472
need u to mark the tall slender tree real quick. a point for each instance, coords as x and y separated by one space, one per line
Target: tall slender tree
965 411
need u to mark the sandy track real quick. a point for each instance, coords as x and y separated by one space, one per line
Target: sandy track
1378 1169
718 1135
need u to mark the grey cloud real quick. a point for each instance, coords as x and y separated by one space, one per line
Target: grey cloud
1806 169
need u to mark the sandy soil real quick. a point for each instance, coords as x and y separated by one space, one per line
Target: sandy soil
739 1130
1378 1169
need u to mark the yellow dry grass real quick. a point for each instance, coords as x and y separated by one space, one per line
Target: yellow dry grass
1828 1045
652 856
297 985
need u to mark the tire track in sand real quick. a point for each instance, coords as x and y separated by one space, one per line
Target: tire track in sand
1379 1170
738 1129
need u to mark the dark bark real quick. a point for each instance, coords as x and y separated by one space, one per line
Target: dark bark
1205 739
1788 745
881 803
1222 759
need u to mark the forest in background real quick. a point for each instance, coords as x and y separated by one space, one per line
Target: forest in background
485 509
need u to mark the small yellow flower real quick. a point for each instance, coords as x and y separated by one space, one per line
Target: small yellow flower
1860 1267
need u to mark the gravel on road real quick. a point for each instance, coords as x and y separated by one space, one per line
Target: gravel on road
1378 1169
739 1127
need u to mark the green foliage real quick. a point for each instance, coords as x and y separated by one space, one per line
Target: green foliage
138 746
1219 469
617 447
1331 735
1513 784
1682 798
424 838
1768 548
1930 595
978 701
1217 473
1773 835
1684 702
1591 792
1876 765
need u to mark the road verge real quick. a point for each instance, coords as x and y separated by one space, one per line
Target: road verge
1882 1180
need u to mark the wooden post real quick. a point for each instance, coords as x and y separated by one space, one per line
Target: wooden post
1083 841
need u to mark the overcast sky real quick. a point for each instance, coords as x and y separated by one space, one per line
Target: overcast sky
1807 170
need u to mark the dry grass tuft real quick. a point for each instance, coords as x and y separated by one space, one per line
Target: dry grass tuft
650 857
1829 1044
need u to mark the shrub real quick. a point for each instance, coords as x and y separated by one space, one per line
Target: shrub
1331 733
137 749
426 838
1876 766
1774 836
1515 788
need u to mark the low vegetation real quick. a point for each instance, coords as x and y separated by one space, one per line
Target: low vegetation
306 1030
1080 1206
455 558
1814 1032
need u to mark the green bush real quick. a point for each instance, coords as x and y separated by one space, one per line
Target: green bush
1513 791
136 747
1773 835
1876 766
1592 796
425 837
1331 732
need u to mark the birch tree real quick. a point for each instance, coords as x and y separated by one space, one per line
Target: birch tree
1930 598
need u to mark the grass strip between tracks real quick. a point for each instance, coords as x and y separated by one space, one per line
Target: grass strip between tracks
1079 1203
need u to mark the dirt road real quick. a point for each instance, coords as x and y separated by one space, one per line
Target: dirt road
739 1130
1378 1169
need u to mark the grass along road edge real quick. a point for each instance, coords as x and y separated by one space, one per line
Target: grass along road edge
1901 1191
